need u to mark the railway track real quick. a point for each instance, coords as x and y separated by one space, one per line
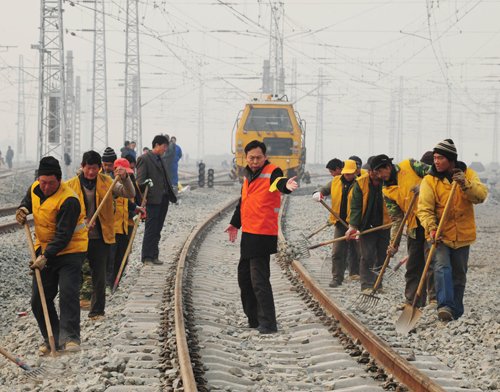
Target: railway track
13 226
319 345
6 211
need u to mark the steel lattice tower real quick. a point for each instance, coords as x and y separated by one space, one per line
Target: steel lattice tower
133 121
276 35
293 87
99 119
399 139
77 147
51 99
318 148
21 114
448 115
392 124
70 103
201 139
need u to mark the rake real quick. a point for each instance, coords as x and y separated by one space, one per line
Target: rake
305 248
365 302
303 240
33 373
391 273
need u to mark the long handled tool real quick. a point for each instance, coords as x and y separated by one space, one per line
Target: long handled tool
129 247
411 314
368 301
42 293
37 373
304 238
334 213
103 201
304 249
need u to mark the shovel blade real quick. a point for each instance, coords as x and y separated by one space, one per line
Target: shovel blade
408 319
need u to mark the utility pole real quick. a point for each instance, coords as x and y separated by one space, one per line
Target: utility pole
318 148
371 138
133 121
448 115
495 132
399 146
21 114
70 102
293 87
276 34
266 82
201 140
77 147
419 132
51 98
99 119
392 124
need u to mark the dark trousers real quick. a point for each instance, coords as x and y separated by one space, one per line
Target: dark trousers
352 259
418 250
256 291
152 231
63 275
339 252
373 248
98 256
116 254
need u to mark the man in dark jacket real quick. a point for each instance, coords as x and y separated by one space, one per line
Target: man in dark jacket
151 167
257 215
9 156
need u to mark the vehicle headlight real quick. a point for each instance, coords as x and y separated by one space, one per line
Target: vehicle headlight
240 142
295 143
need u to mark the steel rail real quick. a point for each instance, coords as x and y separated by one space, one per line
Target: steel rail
401 369
8 211
13 226
186 369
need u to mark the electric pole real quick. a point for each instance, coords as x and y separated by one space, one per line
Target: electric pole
392 124
51 98
448 115
419 132
99 119
318 148
399 145
21 114
293 87
201 141
371 138
77 147
70 101
133 122
276 34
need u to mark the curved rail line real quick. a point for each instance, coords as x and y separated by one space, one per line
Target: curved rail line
13 226
8 211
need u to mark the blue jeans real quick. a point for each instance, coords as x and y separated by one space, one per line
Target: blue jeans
450 276
156 214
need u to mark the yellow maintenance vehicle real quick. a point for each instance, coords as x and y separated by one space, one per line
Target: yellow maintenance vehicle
273 121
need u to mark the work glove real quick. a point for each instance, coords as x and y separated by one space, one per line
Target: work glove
21 214
433 237
141 212
317 196
352 232
87 220
39 264
459 177
148 182
392 250
415 189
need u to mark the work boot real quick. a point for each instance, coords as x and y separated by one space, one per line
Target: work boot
432 305
335 283
265 331
353 277
402 306
367 291
44 350
445 314
157 261
72 347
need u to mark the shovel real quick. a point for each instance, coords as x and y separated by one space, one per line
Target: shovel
366 302
305 250
37 373
42 293
334 213
129 247
305 239
103 201
411 314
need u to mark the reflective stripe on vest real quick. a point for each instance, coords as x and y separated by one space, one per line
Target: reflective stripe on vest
260 207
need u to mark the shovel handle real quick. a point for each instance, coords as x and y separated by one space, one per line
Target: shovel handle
434 245
334 213
386 226
41 292
395 242
317 231
129 246
103 201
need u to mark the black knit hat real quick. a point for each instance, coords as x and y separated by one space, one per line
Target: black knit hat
380 160
109 155
49 166
447 149
428 158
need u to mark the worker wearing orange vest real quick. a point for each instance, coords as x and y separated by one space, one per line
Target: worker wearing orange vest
61 246
257 215
459 229
401 182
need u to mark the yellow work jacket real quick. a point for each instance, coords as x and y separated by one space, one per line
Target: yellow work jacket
106 215
45 220
364 184
460 226
401 194
121 215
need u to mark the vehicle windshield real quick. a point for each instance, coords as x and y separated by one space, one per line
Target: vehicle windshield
278 146
261 119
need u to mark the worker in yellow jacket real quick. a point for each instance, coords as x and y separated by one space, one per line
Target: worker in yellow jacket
459 230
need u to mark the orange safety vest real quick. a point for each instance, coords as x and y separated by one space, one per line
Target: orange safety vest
260 207
45 220
401 194
460 224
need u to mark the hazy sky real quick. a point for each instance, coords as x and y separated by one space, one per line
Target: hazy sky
364 47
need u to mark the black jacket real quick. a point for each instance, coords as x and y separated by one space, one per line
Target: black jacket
148 167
